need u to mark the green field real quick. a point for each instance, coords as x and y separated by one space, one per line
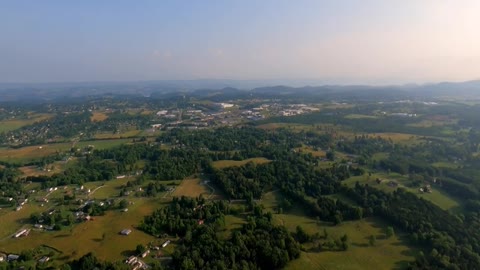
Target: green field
220 164
125 134
29 153
100 236
103 144
386 254
438 196
12 124
360 116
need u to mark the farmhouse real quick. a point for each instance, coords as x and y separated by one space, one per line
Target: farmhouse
125 232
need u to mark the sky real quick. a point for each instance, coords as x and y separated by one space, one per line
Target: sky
336 41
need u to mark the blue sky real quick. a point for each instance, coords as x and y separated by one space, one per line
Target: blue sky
342 41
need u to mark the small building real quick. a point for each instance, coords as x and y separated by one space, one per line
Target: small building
44 259
125 232
12 257
392 184
166 243
20 233
131 260
145 254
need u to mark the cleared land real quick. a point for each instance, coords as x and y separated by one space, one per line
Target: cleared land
220 164
192 188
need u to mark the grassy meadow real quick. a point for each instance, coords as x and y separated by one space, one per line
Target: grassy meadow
220 164
12 124
391 253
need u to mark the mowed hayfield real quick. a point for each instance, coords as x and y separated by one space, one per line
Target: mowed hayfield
100 236
221 164
18 155
98 117
386 254
12 124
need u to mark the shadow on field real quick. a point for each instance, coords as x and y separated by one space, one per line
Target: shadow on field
400 265
128 253
61 236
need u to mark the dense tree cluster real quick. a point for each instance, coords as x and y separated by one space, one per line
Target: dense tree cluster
259 244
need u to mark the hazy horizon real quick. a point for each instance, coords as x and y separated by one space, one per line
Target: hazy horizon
332 42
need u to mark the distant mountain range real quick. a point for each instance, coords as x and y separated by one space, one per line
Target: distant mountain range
229 89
